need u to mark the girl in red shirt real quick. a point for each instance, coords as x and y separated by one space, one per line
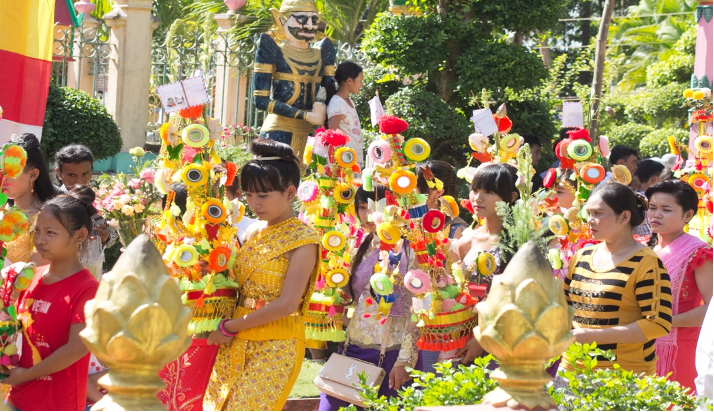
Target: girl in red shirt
52 374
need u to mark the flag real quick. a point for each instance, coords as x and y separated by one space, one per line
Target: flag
26 54
376 110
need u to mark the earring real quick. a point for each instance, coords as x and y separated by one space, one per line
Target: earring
32 187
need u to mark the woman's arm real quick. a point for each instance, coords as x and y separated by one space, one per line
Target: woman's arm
695 317
630 333
60 359
302 263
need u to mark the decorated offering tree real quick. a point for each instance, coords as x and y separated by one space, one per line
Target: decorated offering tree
196 234
442 306
327 196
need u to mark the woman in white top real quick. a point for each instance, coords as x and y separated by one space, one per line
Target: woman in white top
341 112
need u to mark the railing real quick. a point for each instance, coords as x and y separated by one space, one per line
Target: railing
81 57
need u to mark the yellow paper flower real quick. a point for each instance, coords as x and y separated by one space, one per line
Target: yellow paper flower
337 278
558 225
194 175
333 241
688 93
388 233
486 263
213 211
416 149
185 256
345 157
344 193
621 174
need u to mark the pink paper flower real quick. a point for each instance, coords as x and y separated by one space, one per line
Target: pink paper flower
147 175
134 183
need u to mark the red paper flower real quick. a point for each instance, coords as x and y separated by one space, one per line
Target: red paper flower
550 178
391 200
332 138
504 123
580 134
392 125
231 171
482 157
466 204
192 112
561 150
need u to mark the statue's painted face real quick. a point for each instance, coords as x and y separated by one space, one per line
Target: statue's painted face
302 25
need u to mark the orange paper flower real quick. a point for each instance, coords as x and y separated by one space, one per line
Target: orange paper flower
192 112
219 257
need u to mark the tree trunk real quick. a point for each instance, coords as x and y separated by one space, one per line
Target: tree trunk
585 77
544 50
600 63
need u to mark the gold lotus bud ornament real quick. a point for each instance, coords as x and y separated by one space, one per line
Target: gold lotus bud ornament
524 322
136 324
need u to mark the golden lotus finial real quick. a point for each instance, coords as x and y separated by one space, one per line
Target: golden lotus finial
136 324
524 322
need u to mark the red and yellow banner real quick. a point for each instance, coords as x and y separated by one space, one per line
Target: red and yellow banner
25 64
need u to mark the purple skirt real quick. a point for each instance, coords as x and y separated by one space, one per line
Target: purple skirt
328 403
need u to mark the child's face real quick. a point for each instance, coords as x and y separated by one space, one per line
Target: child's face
363 214
20 185
484 203
566 197
75 174
52 240
355 84
269 206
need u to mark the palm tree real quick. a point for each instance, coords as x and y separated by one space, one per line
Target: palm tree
638 42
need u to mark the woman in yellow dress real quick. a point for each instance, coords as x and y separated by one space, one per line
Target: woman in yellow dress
264 342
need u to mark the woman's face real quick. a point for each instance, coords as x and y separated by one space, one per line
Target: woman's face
51 238
565 195
665 215
20 185
604 223
363 214
269 206
354 85
484 203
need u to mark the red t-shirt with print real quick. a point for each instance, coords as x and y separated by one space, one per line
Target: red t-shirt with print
47 312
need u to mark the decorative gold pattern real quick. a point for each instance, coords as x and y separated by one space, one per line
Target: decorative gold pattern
263 68
271 108
258 369
261 93
524 322
329 70
297 127
136 324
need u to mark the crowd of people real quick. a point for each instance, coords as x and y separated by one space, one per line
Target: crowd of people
642 289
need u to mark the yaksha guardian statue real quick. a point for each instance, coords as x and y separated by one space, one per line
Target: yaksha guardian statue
291 65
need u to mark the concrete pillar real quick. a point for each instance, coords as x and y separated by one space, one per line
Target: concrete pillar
127 97
231 88
703 75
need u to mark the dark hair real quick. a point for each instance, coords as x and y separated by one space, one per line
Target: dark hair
345 70
362 196
621 152
278 170
74 154
498 178
567 180
180 197
43 187
683 193
532 140
562 135
648 168
619 198
74 209
443 171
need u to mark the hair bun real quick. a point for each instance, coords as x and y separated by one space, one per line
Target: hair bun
271 148
28 141
86 195
642 202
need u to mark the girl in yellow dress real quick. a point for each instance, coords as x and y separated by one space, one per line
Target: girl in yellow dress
264 342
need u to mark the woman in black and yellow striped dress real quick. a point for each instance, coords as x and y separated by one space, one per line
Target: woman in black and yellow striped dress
619 289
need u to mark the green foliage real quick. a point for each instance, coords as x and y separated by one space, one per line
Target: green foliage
498 65
445 129
629 134
344 17
111 255
655 144
658 107
74 117
524 16
413 44
238 154
590 389
466 385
